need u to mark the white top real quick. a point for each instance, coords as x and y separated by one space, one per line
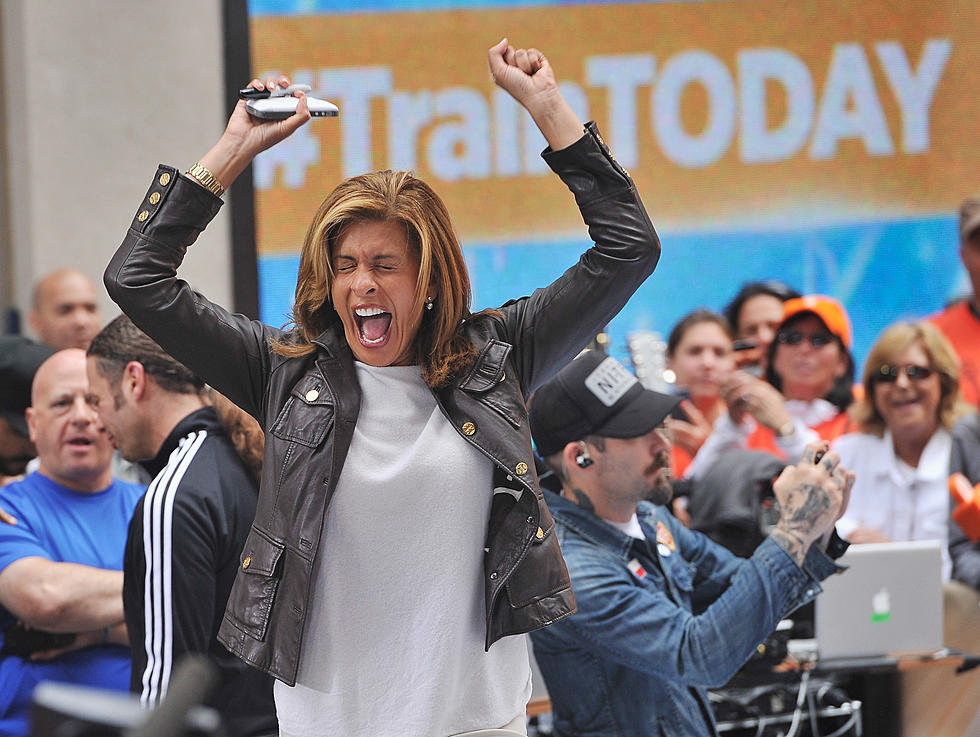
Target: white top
900 502
395 638
726 435
631 527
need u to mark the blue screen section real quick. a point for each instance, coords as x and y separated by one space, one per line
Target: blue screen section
882 271
277 286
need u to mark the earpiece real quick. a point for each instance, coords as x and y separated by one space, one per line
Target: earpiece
583 460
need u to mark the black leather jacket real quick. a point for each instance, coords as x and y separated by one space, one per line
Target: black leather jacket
308 406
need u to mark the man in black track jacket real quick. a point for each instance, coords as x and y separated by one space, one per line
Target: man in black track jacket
188 531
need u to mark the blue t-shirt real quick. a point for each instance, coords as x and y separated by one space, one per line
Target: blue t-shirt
67 527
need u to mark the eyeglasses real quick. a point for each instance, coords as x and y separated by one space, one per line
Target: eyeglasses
795 337
889 374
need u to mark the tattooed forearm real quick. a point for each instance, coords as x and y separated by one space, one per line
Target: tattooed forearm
791 542
583 500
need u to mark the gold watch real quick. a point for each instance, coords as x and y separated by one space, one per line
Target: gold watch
203 176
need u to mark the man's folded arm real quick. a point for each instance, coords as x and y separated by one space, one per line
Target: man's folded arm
62 597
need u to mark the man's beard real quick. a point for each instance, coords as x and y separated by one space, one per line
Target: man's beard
662 490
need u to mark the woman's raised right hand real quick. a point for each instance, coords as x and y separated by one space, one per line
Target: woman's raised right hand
245 136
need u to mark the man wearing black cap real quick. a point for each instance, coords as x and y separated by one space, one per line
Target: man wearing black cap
663 613
19 361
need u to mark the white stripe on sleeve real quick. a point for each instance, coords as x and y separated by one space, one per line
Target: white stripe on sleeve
157 552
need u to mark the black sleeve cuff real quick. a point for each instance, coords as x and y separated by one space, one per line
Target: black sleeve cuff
837 546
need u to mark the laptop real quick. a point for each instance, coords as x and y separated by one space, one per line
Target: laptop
888 601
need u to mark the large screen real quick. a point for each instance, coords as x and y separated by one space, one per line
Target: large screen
825 143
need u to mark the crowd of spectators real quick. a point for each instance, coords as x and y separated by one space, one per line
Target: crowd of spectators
781 374
103 582
910 422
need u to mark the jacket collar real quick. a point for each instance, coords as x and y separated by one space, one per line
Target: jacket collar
333 341
597 530
201 419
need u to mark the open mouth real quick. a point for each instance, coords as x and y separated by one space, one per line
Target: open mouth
373 324
80 442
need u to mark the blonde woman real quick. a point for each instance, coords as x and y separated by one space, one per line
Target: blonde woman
901 454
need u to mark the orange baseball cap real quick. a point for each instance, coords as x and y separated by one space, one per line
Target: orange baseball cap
829 310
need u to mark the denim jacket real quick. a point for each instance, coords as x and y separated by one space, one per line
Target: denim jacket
659 621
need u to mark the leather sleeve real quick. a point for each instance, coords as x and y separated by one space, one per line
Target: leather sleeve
555 322
229 351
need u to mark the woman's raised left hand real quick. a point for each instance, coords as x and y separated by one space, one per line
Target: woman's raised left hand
524 73
528 77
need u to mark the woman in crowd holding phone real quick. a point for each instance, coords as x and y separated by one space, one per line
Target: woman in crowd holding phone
699 352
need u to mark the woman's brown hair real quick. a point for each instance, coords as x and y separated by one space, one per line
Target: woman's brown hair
389 196
691 319
942 359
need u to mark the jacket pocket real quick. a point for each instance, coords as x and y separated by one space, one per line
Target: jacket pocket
254 591
681 574
542 572
308 414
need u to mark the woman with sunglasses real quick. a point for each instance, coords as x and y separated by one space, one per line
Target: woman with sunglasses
901 454
803 398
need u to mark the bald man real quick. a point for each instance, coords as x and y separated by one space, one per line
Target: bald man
61 564
66 311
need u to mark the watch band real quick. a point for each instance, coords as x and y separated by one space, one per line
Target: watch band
203 176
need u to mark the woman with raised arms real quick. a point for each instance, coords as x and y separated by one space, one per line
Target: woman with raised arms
401 547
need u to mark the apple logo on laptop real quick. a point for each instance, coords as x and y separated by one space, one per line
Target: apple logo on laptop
881 606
